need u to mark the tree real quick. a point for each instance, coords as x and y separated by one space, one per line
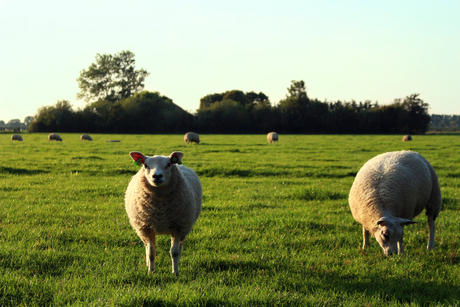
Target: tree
28 120
111 78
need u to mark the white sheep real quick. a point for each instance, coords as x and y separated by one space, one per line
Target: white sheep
16 137
190 137
54 137
85 137
163 198
388 192
272 137
407 137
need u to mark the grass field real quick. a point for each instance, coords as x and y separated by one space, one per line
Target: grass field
275 229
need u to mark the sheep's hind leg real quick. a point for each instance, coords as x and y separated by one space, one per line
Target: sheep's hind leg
431 228
176 252
365 238
150 251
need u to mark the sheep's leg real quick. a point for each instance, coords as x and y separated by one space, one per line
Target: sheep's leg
431 232
150 251
176 252
365 238
400 246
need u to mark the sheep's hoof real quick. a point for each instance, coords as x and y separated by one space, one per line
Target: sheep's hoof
150 272
176 273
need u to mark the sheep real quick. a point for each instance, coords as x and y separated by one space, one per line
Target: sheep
388 192
163 198
86 137
112 141
190 137
272 137
55 137
407 137
16 137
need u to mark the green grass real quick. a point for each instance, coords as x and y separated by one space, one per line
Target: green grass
275 229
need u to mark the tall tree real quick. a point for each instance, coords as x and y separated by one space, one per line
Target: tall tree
112 77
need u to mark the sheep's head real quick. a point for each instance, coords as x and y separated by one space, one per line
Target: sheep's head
389 232
157 169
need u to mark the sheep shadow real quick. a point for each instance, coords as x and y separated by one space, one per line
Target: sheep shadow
21 171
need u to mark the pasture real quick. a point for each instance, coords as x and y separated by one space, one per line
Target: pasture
275 229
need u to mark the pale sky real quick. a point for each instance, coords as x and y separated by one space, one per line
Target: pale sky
343 50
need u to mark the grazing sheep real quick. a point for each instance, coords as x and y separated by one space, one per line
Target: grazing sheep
406 138
16 137
85 137
190 137
54 137
163 198
272 137
389 191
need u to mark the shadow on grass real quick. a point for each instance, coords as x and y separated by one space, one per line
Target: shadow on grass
21 171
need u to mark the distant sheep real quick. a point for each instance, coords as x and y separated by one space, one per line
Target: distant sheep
272 137
54 137
190 137
16 137
85 137
113 141
388 192
406 138
163 198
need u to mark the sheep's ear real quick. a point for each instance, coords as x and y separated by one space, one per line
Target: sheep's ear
138 157
176 157
404 222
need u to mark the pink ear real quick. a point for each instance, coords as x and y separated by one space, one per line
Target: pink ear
176 156
137 156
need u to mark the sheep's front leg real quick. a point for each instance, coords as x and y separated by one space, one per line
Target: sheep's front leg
176 252
431 232
365 238
150 251
400 246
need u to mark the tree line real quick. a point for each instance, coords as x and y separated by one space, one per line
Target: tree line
116 103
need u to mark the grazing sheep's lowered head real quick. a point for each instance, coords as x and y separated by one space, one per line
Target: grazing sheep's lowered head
272 137
407 137
16 137
190 137
389 232
85 137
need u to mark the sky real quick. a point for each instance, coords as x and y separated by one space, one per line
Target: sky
343 50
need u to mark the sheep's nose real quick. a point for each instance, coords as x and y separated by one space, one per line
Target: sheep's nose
155 176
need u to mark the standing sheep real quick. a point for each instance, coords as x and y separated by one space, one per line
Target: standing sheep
272 137
54 137
163 198
85 137
389 191
406 138
190 137
16 137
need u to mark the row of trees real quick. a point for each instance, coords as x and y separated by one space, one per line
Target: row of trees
15 124
112 88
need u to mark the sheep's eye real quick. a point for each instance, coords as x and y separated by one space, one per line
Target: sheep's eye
146 166
386 236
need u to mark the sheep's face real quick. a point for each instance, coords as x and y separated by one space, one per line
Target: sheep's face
157 169
389 232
